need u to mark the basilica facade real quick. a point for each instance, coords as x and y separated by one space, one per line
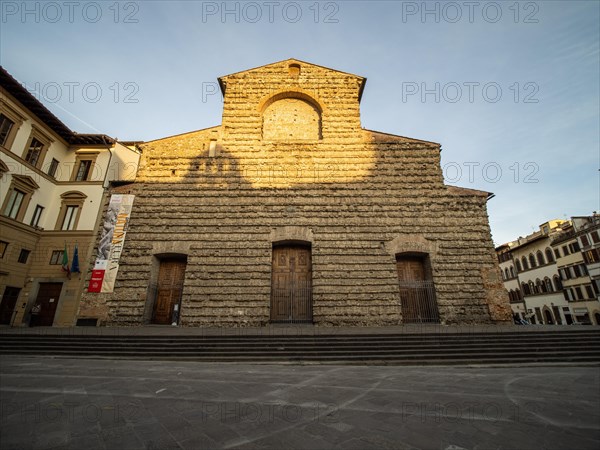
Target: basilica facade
291 212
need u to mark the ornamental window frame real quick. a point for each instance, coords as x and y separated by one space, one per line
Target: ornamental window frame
25 185
17 120
70 200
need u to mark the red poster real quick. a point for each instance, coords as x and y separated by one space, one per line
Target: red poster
96 281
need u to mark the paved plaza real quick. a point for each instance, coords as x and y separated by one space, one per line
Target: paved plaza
117 404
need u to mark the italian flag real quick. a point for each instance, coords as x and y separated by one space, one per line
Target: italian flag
65 262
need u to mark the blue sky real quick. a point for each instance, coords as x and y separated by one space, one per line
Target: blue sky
529 133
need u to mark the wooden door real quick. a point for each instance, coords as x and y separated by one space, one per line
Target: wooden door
47 299
171 275
7 306
291 289
417 294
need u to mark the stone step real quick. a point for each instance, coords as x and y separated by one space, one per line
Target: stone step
454 358
441 348
267 345
317 337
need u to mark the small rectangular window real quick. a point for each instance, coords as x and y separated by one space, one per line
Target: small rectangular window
591 256
70 216
576 271
57 257
557 253
83 170
565 250
589 291
14 203
579 293
212 149
595 237
5 126
3 247
53 167
34 151
36 215
23 256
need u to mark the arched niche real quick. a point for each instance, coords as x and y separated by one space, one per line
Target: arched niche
291 116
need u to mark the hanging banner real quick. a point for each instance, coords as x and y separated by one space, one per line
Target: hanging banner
111 243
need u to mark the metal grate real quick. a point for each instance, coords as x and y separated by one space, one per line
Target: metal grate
292 303
418 302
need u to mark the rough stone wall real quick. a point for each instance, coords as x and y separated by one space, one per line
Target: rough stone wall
358 196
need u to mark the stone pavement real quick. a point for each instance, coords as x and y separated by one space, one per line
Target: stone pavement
116 404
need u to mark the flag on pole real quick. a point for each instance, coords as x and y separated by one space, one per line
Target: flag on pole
75 263
65 262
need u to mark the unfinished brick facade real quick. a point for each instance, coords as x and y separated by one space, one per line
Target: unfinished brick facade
291 165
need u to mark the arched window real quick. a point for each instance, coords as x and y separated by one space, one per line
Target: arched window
549 255
506 274
519 294
532 260
526 289
524 262
557 283
541 287
518 264
532 287
512 272
548 284
540 258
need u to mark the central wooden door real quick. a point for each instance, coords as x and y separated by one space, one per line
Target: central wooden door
169 288
291 289
417 294
47 298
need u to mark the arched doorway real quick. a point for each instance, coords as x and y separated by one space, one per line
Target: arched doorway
417 292
291 283
548 317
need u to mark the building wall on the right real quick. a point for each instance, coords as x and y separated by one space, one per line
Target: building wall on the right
558 271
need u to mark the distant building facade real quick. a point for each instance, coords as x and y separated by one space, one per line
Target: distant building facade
556 273
577 250
290 211
511 279
53 183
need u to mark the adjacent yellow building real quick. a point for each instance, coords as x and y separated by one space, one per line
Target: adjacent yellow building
53 184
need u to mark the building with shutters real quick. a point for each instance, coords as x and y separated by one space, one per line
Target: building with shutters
53 183
550 274
291 212
576 251
540 286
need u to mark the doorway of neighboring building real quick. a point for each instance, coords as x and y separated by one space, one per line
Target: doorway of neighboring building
171 275
417 292
291 284
7 306
556 312
568 318
46 304
548 317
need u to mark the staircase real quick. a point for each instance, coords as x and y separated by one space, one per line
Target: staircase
573 346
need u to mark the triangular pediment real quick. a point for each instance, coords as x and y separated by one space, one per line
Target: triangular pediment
26 181
287 62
